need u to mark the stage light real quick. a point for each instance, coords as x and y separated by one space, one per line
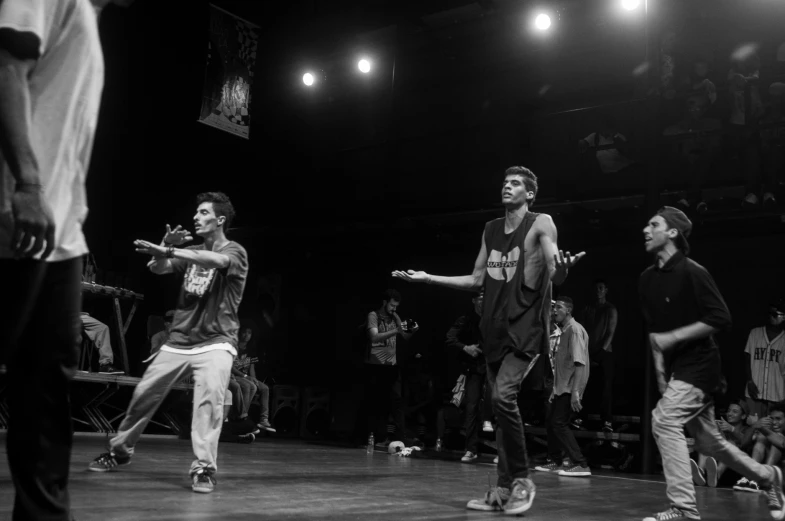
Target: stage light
542 22
630 5
364 66
308 79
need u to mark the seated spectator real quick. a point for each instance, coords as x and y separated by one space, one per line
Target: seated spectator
244 371
160 338
769 442
707 471
697 152
99 334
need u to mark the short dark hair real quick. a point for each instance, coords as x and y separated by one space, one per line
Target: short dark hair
741 405
529 179
222 206
567 300
600 280
391 294
779 406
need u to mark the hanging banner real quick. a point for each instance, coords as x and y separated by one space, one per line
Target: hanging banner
231 58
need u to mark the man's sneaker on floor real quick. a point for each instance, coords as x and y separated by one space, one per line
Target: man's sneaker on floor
576 471
550 466
711 472
672 514
203 481
745 485
521 496
487 427
246 438
109 369
108 461
496 460
698 475
774 494
494 500
577 424
265 426
607 428
468 457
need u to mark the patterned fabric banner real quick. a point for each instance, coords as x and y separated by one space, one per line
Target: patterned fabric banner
231 57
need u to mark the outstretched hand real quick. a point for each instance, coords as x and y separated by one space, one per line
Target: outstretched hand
411 275
149 248
177 236
565 262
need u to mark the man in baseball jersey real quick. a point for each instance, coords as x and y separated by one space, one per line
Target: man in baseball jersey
765 362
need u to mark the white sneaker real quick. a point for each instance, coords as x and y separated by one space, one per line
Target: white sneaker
468 457
496 460
487 427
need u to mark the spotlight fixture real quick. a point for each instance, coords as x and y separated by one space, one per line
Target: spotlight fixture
308 79
630 5
542 22
364 66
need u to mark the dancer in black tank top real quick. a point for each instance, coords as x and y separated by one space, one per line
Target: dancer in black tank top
518 260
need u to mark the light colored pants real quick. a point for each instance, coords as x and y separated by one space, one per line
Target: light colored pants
98 333
684 405
211 372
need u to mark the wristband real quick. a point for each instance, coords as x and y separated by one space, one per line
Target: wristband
170 252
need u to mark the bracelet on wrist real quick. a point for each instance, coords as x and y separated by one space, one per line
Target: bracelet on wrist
170 252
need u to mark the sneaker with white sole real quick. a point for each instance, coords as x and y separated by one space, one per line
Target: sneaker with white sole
494 500
672 514
496 460
698 475
774 494
265 425
711 472
203 481
521 497
468 457
551 466
487 427
108 461
576 471
745 485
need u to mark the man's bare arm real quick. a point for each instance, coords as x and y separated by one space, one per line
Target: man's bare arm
471 282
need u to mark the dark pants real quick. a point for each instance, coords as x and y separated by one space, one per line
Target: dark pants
40 334
560 437
505 379
478 404
383 384
599 389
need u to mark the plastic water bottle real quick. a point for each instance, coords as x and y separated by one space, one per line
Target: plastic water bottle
371 444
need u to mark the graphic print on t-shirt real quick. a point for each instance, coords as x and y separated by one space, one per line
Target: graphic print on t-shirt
502 267
197 280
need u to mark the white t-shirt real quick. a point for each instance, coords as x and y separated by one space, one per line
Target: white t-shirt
65 94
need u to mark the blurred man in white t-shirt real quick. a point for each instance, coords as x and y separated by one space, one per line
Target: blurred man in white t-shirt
51 78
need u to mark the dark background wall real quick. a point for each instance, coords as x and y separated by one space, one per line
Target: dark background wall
339 186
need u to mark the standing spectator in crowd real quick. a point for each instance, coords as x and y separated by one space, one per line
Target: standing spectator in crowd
772 148
571 372
608 160
464 339
160 337
765 362
383 376
706 471
99 334
600 320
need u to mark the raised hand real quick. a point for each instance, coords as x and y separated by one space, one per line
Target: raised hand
177 236
565 262
411 276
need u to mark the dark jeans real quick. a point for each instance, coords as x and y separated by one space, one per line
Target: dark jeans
40 334
477 408
599 389
560 436
383 395
505 379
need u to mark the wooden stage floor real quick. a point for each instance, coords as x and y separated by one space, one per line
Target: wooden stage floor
292 480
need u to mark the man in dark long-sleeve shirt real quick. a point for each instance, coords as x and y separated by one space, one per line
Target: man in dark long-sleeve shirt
463 338
683 309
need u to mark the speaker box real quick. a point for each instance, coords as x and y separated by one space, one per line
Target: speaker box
285 410
315 418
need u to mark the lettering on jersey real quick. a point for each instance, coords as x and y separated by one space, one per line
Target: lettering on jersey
502 267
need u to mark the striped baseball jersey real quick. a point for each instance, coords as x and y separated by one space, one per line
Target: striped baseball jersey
767 362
